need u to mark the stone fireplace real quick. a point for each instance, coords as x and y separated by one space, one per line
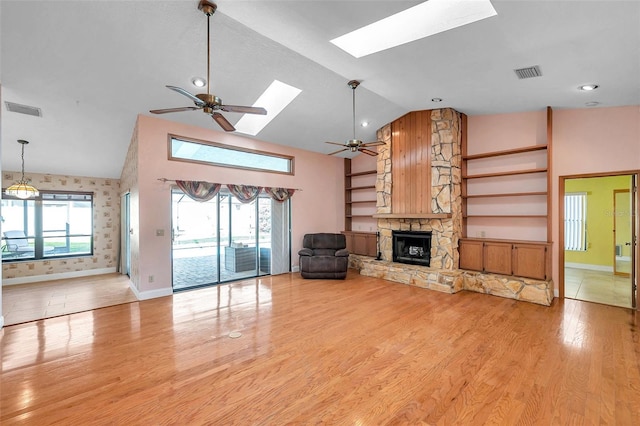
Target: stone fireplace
412 248
421 191
444 218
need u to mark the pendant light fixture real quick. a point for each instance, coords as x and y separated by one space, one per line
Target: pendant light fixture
22 189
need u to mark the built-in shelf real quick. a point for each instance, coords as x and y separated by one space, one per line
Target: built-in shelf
359 242
412 215
511 257
509 173
544 216
355 188
505 152
368 172
510 194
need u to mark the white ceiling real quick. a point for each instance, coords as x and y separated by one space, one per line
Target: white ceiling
92 66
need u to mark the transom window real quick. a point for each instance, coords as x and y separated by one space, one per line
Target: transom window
227 156
54 224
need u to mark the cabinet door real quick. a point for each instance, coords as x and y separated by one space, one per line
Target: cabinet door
530 261
471 255
497 258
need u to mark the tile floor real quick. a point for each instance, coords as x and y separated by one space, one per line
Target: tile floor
30 302
597 286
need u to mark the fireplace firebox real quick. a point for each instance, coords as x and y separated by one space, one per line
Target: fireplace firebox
412 247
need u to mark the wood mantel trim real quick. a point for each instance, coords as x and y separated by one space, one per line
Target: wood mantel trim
412 215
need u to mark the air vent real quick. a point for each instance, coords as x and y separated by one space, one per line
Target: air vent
23 109
529 72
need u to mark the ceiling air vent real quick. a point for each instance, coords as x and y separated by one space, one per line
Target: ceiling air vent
529 72
23 109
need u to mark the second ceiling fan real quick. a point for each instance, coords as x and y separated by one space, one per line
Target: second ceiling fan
208 102
354 144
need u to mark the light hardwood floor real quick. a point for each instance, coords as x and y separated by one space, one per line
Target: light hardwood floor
30 302
357 352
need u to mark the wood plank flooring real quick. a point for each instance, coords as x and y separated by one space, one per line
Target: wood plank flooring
357 352
47 299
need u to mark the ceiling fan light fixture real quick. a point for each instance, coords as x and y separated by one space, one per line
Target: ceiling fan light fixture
22 189
436 99
364 124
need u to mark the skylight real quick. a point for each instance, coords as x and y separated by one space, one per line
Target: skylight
425 19
276 98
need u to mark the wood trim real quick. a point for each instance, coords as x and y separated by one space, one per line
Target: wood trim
499 240
549 172
347 195
529 216
463 169
354 188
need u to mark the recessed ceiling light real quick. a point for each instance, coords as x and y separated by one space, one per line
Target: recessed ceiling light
588 87
276 98
592 104
436 99
199 81
364 123
420 21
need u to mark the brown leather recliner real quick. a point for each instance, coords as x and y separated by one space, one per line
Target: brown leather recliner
324 256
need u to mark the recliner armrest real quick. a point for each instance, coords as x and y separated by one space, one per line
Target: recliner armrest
305 252
342 253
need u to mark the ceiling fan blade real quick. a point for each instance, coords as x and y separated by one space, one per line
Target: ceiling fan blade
223 122
335 143
195 99
368 151
335 152
376 143
244 109
166 110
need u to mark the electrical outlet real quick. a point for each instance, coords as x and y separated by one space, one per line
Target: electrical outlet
151 278
483 234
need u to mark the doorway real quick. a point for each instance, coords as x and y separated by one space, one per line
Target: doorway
598 253
224 240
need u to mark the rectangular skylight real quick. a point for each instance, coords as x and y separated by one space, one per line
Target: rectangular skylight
276 98
425 19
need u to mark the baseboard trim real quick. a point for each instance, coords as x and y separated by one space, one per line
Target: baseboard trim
602 268
150 294
1 321
60 276
295 268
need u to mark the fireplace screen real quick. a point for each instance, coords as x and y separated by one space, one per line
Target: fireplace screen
412 247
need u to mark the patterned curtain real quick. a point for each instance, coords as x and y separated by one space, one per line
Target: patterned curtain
279 194
245 193
199 190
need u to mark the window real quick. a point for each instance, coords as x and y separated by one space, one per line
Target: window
575 223
54 224
227 156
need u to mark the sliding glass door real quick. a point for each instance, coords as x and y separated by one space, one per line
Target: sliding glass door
226 240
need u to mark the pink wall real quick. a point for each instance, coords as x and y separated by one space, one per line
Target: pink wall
594 140
319 207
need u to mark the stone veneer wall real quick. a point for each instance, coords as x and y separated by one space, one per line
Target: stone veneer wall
129 183
446 179
106 226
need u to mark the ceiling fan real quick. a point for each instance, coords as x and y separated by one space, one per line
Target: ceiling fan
208 102
354 144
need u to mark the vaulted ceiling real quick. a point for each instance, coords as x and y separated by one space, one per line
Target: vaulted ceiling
93 66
